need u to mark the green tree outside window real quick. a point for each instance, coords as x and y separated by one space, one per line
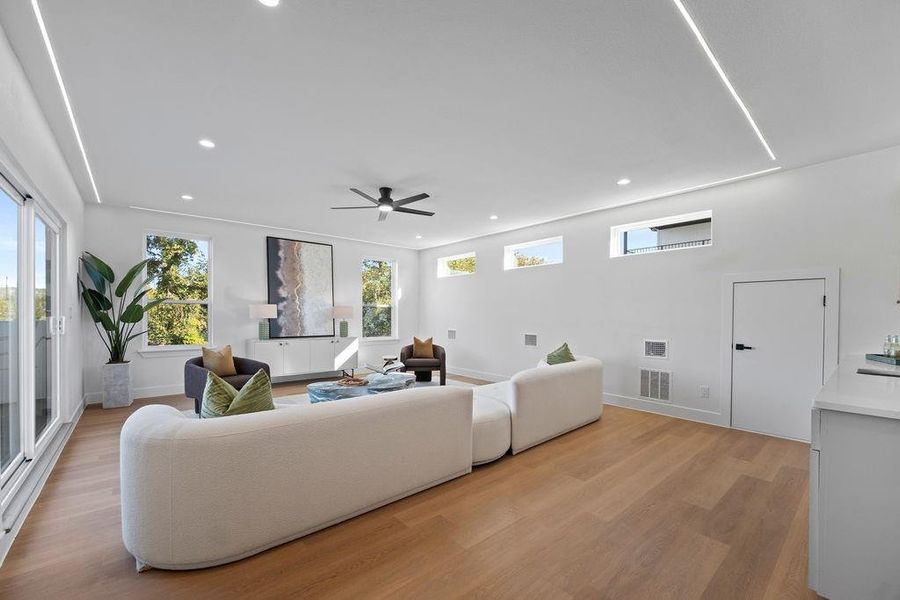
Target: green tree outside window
179 269
377 298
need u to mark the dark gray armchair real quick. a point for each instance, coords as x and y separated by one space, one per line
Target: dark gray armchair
423 367
195 376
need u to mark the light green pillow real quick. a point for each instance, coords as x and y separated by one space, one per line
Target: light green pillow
560 355
220 399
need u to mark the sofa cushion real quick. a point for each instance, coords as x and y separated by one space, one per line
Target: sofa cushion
220 362
422 362
220 399
423 349
490 428
560 355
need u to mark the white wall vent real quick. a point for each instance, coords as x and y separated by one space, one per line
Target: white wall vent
656 384
451 334
531 339
656 349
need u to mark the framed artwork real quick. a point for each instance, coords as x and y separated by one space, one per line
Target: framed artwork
301 283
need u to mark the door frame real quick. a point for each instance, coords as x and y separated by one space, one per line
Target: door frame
832 277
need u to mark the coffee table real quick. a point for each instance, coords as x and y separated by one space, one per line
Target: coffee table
326 391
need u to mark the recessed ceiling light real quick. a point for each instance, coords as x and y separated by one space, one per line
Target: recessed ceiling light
187 197
494 217
207 143
270 3
623 181
418 237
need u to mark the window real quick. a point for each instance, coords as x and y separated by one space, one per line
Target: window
533 254
659 235
451 266
178 271
379 298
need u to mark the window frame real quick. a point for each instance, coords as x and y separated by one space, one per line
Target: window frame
618 233
395 302
146 348
509 253
443 271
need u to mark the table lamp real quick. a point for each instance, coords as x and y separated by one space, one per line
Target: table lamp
343 313
263 312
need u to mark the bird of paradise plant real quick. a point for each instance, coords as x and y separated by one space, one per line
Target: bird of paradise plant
115 316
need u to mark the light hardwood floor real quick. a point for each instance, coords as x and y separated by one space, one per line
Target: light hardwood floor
635 506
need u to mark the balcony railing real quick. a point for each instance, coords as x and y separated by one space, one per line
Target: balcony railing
674 246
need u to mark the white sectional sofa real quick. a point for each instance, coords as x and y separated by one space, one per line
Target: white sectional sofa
543 403
198 493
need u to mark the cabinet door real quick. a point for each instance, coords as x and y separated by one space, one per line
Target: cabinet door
269 353
346 353
321 355
296 356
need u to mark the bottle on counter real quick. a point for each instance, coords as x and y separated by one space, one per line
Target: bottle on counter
888 346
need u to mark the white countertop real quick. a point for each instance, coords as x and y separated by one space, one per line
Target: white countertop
873 395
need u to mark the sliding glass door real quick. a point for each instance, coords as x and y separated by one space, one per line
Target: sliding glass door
11 454
45 324
29 326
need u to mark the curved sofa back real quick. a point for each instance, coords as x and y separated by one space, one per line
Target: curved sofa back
550 400
197 493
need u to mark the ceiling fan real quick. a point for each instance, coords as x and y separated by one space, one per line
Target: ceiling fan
385 204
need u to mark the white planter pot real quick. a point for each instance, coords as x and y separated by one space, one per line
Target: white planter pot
117 390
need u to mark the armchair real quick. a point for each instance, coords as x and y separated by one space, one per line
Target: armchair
423 367
195 376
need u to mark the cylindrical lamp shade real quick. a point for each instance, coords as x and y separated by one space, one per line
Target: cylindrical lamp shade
342 312
263 311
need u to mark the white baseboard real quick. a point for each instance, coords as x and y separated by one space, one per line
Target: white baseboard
46 464
663 408
494 377
143 392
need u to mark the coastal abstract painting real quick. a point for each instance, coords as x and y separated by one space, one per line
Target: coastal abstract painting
301 283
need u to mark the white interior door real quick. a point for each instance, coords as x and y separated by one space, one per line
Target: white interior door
778 362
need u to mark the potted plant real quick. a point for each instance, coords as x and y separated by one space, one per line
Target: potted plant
115 317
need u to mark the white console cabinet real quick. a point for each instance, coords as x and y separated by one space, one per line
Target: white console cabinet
292 357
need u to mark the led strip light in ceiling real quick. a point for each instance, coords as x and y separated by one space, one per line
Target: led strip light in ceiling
722 75
65 95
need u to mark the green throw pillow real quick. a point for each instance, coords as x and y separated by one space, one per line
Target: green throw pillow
220 399
560 355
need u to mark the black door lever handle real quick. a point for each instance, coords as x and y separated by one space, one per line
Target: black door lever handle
742 347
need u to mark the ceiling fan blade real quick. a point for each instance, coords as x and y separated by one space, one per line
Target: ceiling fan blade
350 207
364 195
413 211
382 216
411 199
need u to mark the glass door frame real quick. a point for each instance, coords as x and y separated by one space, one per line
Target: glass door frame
22 268
36 444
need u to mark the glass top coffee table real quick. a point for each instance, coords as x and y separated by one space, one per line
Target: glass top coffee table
326 391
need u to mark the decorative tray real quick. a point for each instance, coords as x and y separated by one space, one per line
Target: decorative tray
883 359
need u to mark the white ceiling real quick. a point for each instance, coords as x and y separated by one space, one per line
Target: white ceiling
523 108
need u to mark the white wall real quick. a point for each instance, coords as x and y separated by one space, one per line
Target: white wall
239 279
844 213
26 138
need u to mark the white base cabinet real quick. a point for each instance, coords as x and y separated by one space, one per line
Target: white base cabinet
294 357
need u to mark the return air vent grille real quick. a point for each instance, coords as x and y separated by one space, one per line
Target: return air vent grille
656 349
655 384
531 339
451 334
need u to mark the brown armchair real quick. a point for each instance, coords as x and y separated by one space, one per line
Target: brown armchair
423 367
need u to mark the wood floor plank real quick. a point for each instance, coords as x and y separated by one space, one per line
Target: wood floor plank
636 505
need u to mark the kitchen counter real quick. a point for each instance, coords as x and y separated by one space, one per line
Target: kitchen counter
872 395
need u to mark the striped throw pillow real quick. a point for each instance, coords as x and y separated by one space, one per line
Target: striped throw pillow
220 399
560 355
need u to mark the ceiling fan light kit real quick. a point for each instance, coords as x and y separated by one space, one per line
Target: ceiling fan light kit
385 204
